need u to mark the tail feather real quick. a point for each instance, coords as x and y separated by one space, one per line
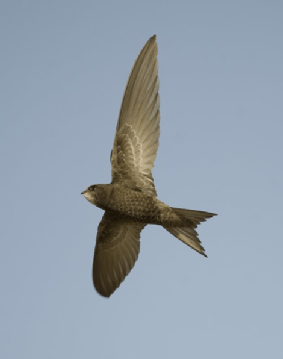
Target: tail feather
187 233
195 216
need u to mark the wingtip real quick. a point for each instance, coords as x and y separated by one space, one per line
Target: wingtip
210 215
153 38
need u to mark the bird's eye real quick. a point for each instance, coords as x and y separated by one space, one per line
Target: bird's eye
92 188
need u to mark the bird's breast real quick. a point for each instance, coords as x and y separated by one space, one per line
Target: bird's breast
136 206
131 204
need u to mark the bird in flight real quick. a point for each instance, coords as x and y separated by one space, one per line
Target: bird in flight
130 200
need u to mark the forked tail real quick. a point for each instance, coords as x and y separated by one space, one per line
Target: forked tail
187 233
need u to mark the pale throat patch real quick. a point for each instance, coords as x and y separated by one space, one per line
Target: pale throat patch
89 197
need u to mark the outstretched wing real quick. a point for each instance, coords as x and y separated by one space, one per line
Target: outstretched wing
137 134
115 254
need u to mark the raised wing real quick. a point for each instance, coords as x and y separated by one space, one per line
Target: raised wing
137 134
115 254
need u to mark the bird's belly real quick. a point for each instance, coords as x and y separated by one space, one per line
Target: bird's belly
139 207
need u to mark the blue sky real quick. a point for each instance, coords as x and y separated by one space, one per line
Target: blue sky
64 66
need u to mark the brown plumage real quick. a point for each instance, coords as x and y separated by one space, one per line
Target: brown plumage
130 201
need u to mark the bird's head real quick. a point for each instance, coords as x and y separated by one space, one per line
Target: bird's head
91 194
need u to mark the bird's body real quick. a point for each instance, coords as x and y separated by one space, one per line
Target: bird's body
129 201
127 204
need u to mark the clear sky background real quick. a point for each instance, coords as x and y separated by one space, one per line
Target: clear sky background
64 67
